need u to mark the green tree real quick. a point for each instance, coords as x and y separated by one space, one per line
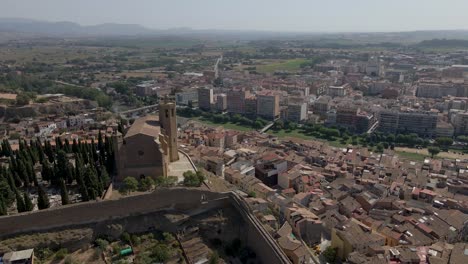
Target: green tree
63 169
168 237
64 193
329 255
444 142
120 87
43 199
130 184
166 181
463 139
22 99
380 148
27 202
146 184
91 183
3 207
47 172
104 101
20 205
433 151
102 243
104 178
214 258
161 253
193 180
6 191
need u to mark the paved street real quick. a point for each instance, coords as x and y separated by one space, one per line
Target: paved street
179 167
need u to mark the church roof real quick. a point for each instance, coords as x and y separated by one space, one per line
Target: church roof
148 125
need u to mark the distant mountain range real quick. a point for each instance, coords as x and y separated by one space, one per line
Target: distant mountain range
19 28
20 25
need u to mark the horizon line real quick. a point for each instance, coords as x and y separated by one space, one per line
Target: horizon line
239 30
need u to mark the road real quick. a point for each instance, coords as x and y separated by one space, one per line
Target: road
70 84
138 109
265 129
216 68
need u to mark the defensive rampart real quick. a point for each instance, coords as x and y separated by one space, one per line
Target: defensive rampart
180 199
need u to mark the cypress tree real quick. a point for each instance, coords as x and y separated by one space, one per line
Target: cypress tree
91 183
75 147
40 151
23 173
17 179
34 178
64 192
43 199
27 202
9 177
93 151
78 166
46 171
79 172
31 172
6 148
101 146
67 147
58 143
3 207
6 191
120 127
20 205
63 167
104 178
70 174
49 151
13 164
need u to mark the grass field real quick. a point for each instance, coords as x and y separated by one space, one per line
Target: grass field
286 65
290 133
229 125
411 155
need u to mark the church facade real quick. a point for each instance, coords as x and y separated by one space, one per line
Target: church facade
149 145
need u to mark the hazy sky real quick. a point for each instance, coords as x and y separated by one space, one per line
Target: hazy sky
285 15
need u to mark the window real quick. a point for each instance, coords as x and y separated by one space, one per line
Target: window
167 113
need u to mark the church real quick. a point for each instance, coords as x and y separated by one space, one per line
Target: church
149 145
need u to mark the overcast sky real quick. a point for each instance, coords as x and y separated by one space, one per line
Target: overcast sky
275 15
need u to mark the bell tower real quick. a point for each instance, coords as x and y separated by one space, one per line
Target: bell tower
167 121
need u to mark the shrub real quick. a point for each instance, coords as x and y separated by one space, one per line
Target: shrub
61 254
102 243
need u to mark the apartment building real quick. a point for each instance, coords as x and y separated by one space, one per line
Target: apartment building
459 120
337 91
297 112
268 105
251 106
205 98
186 98
353 118
407 121
437 89
322 105
221 102
236 100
